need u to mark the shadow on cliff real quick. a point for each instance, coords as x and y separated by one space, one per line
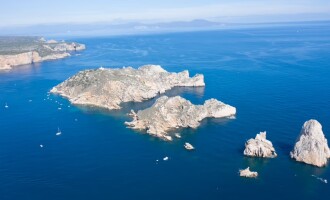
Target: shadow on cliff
194 94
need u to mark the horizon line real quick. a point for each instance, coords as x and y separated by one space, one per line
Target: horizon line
127 22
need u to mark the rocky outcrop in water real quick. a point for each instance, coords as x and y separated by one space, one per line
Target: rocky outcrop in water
259 147
247 173
108 88
16 51
311 146
168 113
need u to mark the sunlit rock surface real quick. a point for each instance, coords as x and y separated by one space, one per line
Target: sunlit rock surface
259 147
108 88
247 173
311 146
173 112
16 51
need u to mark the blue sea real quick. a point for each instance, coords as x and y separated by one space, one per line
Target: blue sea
276 76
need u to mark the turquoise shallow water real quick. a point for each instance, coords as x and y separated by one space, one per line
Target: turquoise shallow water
276 77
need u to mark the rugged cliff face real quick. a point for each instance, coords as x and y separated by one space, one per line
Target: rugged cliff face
107 88
7 61
311 146
16 51
170 113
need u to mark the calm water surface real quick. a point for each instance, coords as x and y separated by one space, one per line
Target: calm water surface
276 77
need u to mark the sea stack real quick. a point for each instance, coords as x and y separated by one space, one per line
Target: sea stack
260 147
169 113
311 146
247 173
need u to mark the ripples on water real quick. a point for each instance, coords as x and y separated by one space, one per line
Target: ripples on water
276 77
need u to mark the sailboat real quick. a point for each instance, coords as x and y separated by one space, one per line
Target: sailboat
6 106
58 132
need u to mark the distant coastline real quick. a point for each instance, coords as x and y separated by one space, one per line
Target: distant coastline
15 51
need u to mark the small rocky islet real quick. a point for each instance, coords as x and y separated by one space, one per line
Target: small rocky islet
247 173
310 148
259 147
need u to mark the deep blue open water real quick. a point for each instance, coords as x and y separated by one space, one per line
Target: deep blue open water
277 78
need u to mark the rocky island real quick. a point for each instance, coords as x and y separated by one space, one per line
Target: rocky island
311 146
168 113
259 147
108 88
16 51
247 173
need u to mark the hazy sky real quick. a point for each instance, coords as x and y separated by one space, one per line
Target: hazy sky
28 12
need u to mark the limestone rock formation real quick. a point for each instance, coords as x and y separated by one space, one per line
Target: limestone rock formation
16 51
260 147
311 146
247 173
108 88
169 113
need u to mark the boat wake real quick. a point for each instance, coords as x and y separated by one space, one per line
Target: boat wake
321 179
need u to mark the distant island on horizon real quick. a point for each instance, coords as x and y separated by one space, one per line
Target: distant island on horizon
135 28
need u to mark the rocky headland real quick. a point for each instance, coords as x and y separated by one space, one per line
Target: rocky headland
311 146
169 113
16 51
108 88
259 147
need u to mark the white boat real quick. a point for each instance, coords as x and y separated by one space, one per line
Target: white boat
6 106
177 135
321 179
59 132
188 146
165 158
